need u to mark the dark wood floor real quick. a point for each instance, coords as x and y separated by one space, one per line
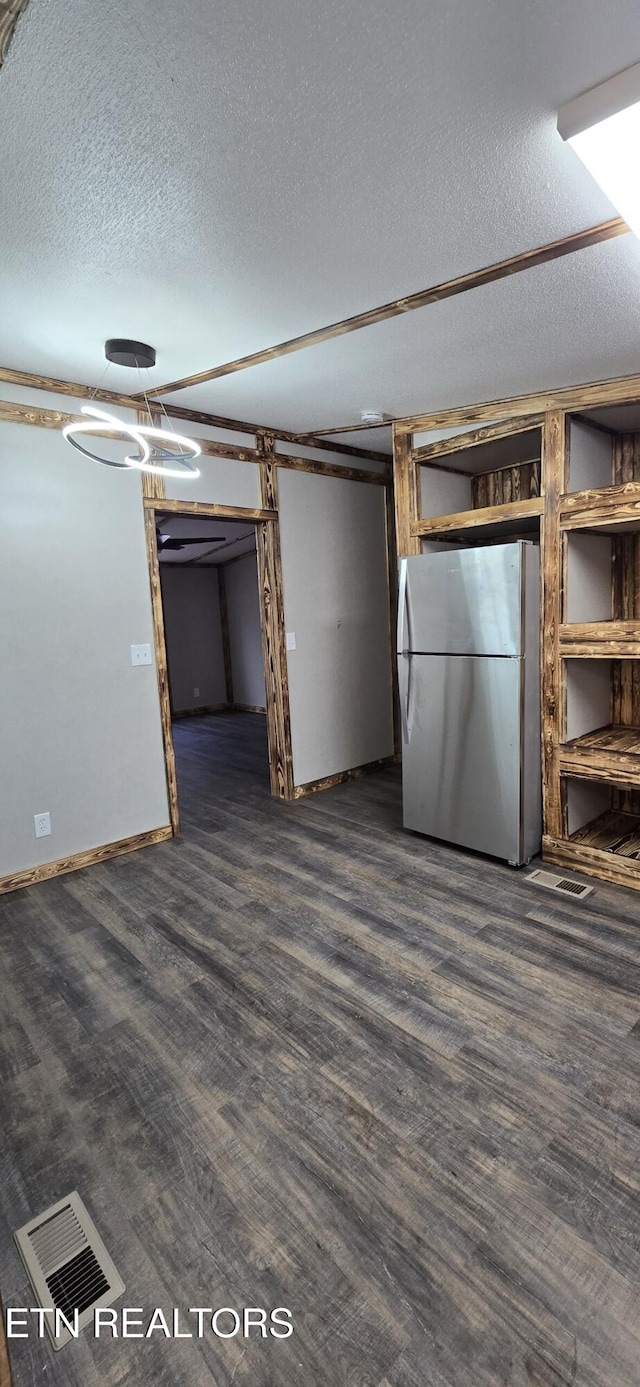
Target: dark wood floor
301 1058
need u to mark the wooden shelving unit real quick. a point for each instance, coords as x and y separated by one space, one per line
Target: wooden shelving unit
591 693
573 479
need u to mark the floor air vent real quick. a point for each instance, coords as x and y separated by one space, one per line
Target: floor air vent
564 885
68 1265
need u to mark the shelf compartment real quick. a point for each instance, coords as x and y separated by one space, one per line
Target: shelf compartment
592 861
591 456
609 753
601 824
606 510
489 517
600 640
486 477
613 832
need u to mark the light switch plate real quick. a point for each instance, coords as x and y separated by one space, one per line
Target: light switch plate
141 654
291 640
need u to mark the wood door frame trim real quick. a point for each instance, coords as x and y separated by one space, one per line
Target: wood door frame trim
267 526
501 269
274 644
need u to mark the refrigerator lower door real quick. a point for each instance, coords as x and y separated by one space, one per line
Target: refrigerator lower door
461 773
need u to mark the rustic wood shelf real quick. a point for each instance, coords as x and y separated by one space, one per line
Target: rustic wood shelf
609 754
600 640
610 509
595 861
614 832
488 517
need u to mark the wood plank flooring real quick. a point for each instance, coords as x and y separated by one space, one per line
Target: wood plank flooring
301 1058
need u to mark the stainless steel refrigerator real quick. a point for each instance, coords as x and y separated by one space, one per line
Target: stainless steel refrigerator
468 669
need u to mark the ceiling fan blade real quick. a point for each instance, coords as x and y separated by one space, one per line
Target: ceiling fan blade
207 539
175 542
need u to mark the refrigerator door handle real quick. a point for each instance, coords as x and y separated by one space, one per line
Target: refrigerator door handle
405 684
404 646
402 607
405 624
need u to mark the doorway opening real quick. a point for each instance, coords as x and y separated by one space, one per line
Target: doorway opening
219 639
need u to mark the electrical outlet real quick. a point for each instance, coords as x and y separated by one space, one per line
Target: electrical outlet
141 654
196 693
291 640
42 825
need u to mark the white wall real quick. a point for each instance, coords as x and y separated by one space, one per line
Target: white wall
80 731
222 481
590 457
443 493
193 633
589 570
336 600
245 632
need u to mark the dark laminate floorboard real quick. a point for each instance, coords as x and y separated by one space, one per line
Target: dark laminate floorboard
302 1058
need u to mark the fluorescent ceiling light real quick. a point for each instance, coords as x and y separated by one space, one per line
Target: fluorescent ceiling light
603 126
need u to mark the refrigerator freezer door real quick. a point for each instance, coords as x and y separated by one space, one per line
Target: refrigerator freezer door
461 773
462 602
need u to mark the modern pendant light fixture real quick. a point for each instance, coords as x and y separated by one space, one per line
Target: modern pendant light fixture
161 451
603 126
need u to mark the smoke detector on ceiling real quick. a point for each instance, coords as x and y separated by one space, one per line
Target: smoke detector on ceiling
372 416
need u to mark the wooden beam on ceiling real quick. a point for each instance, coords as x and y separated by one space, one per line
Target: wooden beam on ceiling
195 416
527 260
10 11
592 395
619 390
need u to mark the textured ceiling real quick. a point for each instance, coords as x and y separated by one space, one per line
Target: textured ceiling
574 320
215 178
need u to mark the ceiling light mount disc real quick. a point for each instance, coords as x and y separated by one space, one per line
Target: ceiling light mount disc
122 351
